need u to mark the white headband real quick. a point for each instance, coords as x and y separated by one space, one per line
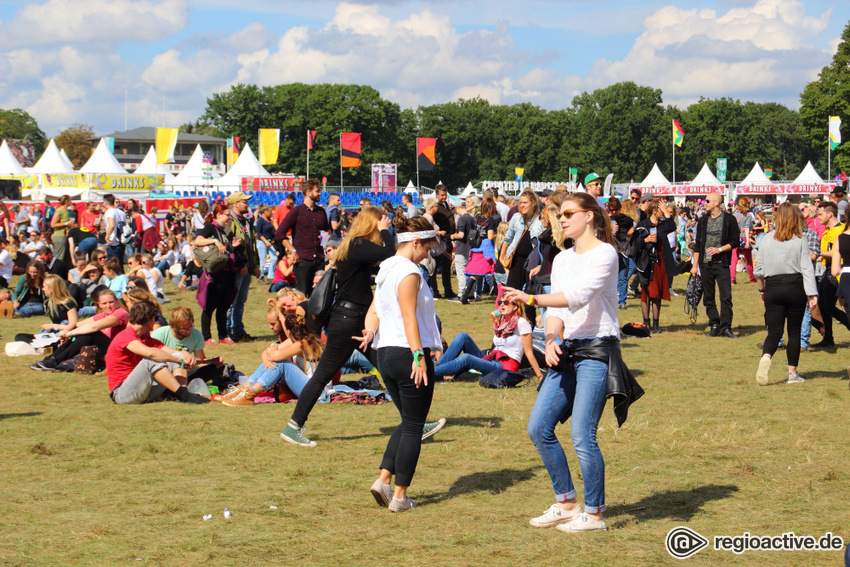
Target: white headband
411 236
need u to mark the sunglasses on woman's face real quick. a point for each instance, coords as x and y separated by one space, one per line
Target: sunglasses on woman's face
569 214
505 302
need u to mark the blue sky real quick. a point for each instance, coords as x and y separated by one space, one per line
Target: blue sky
67 61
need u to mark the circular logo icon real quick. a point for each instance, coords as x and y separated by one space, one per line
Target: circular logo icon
682 542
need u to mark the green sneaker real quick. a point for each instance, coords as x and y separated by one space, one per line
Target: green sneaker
295 435
431 427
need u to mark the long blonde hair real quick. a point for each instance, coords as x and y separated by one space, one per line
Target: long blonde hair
59 295
551 212
627 207
501 230
364 226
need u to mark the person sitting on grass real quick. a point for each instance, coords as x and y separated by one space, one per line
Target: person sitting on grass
58 305
28 298
511 338
113 276
284 274
181 334
140 368
292 359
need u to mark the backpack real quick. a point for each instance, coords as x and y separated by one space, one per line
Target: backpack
321 301
477 236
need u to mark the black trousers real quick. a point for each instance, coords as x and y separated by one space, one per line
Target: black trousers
304 271
444 264
711 274
402 452
220 294
70 349
784 300
826 303
343 324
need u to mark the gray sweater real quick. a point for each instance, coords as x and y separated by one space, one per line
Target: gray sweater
790 257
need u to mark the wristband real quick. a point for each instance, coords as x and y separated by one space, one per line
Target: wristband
416 355
532 300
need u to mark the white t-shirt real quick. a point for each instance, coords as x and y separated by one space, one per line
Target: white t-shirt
391 329
512 344
589 281
197 221
6 266
503 211
147 223
120 220
33 249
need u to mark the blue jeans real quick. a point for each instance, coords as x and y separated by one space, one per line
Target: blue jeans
579 393
30 309
262 249
162 266
277 286
87 311
356 363
294 378
623 280
235 327
806 331
453 362
116 251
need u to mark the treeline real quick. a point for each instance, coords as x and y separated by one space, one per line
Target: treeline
621 129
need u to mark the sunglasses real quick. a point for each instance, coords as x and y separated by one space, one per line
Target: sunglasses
569 214
505 302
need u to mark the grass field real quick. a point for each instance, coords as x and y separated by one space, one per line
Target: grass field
86 482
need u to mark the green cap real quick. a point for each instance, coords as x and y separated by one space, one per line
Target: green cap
591 177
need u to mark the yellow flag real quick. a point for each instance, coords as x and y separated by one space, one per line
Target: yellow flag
269 145
166 141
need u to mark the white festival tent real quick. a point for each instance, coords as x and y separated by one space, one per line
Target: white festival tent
808 176
102 161
411 188
51 162
8 164
468 190
192 177
655 178
66 158
150 167
247 165
704 183
756 177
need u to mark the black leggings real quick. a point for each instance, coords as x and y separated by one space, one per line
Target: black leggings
402 452
220 294
784 299
826 303
343 324
71 348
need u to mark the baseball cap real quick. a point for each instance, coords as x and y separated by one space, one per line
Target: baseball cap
236 197
838 189
646 197
591 177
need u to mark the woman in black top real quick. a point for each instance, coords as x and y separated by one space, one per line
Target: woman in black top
652 234
367 243
624 226
217 291
58 305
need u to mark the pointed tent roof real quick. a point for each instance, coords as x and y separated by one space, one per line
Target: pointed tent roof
705 177
192 173
655 178
808 176
102 161
65 157
51 161
8 164
468 190
247 164
756 177
150 167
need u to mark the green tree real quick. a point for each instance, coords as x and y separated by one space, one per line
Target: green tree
17 124
75 141
829 96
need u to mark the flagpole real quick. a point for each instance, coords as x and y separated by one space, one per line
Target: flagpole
416 157
341 183
308 154
674 161
828 154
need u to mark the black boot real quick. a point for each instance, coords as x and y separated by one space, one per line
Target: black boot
656 328
470 287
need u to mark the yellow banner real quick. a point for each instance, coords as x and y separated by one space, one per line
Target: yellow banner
269 145
166 141
108 183
28 182
65 181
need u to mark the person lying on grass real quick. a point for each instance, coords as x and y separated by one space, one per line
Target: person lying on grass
140 368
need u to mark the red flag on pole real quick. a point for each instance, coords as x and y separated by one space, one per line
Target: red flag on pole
426 153
311 137
350 149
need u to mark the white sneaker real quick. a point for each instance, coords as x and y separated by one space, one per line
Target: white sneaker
794 379
583 523
554 516
762 372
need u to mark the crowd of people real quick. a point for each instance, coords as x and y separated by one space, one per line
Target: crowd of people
560 262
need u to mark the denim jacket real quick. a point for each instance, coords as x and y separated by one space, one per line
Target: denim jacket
515 229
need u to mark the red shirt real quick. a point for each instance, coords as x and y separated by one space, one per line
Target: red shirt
120 314
120 361
88 219
280 213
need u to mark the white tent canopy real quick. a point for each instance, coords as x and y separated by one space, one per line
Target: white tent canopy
756 177
66 158
705 177
193 174
246 165
102 161
150 167
655 178
8 164
51 161
808 176
468 190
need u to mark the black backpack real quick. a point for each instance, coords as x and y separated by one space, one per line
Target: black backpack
477 236
321 301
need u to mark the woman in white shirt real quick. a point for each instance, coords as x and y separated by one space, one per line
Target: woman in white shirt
407 336
583 304
511 339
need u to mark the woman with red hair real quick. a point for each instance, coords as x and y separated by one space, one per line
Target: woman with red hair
217 291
